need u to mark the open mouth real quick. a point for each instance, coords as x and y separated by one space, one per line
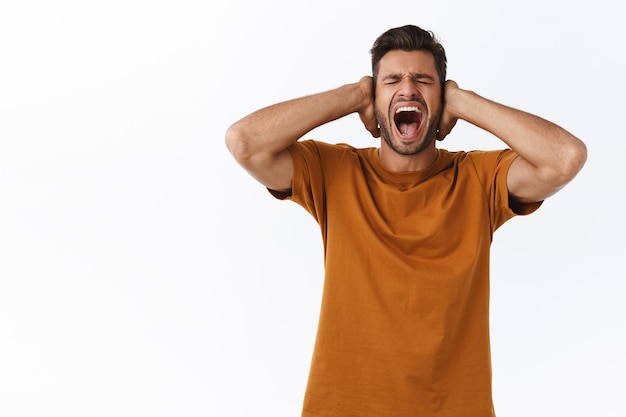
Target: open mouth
408 120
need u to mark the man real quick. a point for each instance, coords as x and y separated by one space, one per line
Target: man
406 227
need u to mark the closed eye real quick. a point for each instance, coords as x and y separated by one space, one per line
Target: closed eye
423 79
391 80
418 78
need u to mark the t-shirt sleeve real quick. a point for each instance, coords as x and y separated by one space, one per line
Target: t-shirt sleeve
307 185
494 168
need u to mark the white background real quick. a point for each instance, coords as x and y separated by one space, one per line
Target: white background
143 273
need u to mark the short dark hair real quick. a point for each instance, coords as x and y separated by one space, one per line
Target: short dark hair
409 38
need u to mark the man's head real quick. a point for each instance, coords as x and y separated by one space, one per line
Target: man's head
409 70
409 38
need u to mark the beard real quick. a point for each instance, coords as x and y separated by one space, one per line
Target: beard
427 137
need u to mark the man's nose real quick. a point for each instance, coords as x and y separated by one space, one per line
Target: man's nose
408 87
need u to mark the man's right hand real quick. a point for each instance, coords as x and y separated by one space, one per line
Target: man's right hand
367 113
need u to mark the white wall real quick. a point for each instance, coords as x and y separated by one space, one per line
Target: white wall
143 273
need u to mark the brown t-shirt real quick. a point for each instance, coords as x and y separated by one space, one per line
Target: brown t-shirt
404 321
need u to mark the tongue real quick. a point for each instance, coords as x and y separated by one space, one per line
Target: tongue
407 129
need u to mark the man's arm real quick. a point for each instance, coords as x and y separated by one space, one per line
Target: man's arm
260 140
549 156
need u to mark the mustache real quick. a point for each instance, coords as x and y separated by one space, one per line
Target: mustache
414 99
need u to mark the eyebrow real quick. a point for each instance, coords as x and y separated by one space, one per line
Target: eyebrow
414 75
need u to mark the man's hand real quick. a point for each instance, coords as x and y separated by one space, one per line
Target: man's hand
448 117
367 112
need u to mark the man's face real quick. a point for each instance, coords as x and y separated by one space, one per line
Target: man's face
408 100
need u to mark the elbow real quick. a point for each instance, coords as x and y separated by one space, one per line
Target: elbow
237 144
574 160
571 161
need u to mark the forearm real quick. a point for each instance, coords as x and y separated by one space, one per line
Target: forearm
556 154
274 128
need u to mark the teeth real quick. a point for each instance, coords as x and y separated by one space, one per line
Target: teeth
408 108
